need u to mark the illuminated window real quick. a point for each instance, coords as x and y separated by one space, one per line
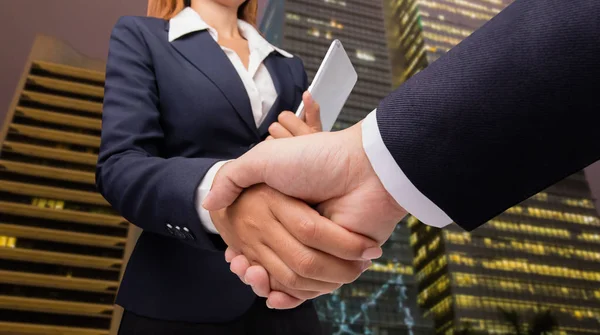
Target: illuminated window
328 35
456 10
314 32
292 16
365 55
457 238
555 215
589 237
8 242
48 203
412 221
336 2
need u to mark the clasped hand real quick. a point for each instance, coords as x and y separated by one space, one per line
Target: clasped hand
285 249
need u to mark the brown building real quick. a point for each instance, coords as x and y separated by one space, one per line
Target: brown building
61 244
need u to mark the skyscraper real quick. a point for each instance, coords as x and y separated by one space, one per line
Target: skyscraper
307 27
420 31
383 300
542 254
61 244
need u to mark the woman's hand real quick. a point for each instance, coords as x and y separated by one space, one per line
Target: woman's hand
289 125
285 236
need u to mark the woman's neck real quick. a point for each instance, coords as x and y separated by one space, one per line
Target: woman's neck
223 19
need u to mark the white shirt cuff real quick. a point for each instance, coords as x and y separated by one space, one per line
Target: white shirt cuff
202 192
395 181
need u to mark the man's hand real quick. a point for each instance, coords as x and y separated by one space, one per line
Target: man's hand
305 254
330 170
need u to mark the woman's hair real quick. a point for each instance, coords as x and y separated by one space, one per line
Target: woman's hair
166 9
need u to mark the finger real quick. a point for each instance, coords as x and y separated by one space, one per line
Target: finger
279 131
282 278
293 124
280 300
317 232
308 263
269 138
312 112
239 265
230 254
258 278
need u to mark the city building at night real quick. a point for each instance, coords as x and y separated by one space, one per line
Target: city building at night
382 300
61 244
542 254
420 31
306 28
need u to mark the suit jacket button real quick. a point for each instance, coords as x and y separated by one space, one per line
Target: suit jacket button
179 233
170 229
188 234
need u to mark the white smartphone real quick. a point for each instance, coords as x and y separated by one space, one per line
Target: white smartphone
332 85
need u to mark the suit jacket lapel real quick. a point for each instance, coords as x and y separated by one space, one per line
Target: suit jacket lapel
281 75
206 55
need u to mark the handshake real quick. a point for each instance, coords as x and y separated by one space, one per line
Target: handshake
302 215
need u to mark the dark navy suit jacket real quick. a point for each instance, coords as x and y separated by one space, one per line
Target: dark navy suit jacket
172 110
511 110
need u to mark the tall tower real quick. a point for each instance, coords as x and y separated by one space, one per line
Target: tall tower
420 31
542 254
61 244
307 27
382 300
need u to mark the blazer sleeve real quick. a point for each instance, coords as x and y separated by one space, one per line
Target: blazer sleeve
511 110
154 193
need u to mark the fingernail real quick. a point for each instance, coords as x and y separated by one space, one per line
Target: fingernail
372 253
269 306
366 266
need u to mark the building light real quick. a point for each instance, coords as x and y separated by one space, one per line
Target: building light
292 16
336 2
8 242
365 55
314 32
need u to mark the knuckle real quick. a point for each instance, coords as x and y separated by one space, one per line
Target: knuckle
291 280
307 264
307 229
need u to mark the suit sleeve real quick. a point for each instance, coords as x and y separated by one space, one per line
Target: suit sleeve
155 193
508 112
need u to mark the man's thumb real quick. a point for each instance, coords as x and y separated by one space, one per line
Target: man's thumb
231 179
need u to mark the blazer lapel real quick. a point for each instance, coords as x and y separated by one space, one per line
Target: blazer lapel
286 90
206 55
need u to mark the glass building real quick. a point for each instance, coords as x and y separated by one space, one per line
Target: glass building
542 254
420 31
61 244
307 27
382 300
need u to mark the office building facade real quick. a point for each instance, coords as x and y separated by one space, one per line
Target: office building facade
61 244
420 31
307 27
383 299
542 254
